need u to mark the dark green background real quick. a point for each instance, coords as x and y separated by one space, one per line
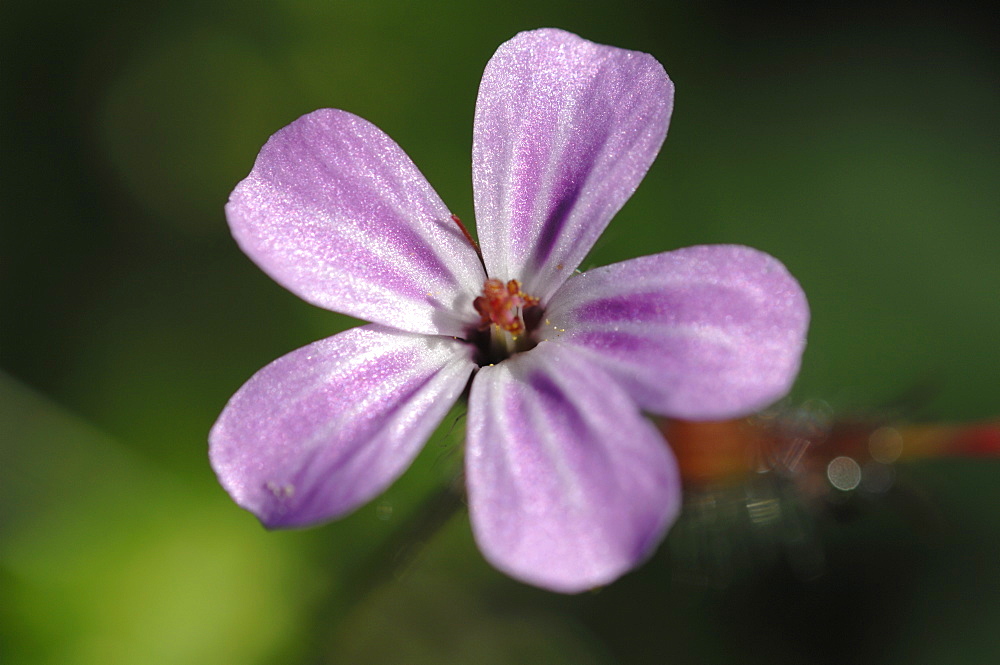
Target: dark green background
859 145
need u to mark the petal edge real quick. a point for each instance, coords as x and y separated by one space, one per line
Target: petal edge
565 130
706 332
325 428
337 213
569 486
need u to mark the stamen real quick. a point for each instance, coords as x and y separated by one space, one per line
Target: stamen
508 318
503 305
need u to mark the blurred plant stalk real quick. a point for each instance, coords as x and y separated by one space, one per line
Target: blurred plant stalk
807 445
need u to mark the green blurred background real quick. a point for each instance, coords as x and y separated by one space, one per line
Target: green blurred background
857 144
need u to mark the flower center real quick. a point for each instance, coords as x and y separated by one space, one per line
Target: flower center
508 316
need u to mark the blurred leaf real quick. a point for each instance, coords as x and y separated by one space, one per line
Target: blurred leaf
106 560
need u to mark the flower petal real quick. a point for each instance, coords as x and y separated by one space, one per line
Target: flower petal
699 333
326 428
565 129
335 212
569 486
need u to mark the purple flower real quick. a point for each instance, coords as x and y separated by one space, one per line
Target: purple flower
569 485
